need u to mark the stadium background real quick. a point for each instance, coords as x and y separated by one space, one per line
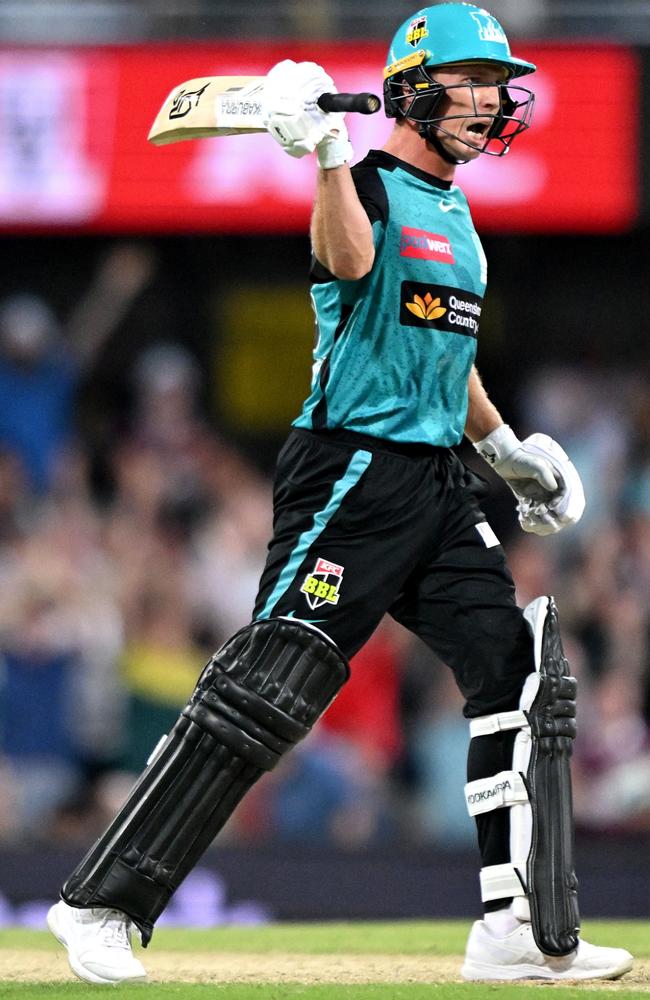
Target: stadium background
156 334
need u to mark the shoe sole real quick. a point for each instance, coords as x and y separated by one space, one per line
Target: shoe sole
476 971
79 970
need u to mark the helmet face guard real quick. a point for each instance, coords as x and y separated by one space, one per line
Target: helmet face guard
415 95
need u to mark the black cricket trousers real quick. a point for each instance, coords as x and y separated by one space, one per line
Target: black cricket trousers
364 527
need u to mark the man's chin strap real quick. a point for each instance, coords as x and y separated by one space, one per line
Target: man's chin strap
428 134
537 791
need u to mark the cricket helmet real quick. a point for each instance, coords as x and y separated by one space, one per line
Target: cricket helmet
444 35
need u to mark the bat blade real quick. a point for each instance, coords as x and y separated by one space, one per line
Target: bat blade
210 106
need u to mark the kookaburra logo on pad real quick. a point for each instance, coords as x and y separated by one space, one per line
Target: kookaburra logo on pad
321 586
185 101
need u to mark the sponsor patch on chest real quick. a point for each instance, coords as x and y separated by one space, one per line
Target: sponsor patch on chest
425 246
439 307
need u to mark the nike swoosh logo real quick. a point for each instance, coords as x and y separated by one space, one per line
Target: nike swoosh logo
446 206
310 621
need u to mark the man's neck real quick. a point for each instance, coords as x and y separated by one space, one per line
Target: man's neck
406 144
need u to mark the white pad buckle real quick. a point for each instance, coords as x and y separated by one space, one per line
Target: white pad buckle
498 723
501 882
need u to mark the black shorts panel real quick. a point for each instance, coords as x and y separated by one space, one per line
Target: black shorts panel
370 535
362 528
462 604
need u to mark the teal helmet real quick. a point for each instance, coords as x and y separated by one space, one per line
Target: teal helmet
455 33
443 35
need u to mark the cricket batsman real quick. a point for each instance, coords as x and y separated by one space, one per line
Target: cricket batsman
375 514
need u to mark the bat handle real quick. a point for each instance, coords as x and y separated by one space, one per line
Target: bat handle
364 104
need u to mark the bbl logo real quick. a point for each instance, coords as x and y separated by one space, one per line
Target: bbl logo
321 586
416 31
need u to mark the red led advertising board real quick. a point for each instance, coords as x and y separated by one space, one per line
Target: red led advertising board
74 155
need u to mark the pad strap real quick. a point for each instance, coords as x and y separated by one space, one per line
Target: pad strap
486 725
501 882
507 788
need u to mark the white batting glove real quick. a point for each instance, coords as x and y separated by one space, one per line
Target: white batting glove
540 474
294 119
334 151
567 506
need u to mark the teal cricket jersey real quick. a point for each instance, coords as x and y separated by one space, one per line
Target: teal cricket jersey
394 350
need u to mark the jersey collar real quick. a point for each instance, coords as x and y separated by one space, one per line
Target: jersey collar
381 158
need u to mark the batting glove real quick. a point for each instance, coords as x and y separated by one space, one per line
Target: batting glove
334 151
294 119
540 474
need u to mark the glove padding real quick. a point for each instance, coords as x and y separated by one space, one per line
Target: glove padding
540 474
546 517
294 119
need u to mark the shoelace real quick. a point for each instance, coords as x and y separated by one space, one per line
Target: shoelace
114 929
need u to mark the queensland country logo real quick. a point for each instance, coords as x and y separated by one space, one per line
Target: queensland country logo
489 30
427 307
439 307
321 586
425 246
417 30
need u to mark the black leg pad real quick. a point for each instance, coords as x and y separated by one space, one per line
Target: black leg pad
553 886
257 697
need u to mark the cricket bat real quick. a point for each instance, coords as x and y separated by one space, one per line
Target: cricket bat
231 105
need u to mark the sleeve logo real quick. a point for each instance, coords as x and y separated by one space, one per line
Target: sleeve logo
321 586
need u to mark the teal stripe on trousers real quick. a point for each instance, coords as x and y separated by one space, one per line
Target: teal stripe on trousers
358 465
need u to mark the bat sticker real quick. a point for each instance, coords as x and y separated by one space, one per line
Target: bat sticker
183 103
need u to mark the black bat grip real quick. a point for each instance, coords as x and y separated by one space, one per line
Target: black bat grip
363 104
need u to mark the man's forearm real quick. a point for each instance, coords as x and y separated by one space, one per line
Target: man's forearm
341 233
482 415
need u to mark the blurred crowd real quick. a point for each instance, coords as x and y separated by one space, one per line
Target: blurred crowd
117 587
119 20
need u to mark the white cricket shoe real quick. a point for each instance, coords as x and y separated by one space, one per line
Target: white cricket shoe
516 956
98 943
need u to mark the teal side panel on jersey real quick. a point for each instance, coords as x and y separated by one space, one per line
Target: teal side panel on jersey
356 468
397 368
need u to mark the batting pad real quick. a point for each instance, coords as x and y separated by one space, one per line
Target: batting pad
259 695
537 791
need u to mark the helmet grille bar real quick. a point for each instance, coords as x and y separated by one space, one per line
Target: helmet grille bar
416 96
